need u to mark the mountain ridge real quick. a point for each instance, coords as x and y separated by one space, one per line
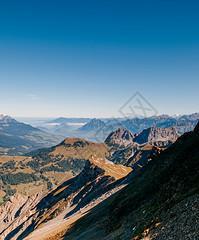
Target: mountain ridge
157 136
19 138
98 132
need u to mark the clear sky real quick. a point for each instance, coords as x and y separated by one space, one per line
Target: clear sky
87 58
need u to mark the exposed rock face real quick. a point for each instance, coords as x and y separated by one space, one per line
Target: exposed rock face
15 215
157 136
135 156
137 150
120 138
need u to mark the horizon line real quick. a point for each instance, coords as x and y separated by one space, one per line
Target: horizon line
104 117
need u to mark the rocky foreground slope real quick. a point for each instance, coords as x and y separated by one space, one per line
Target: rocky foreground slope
22 215
161 202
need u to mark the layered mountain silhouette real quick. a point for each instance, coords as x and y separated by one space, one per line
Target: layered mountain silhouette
99 129
19 138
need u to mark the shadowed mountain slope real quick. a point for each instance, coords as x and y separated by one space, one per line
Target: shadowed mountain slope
161 202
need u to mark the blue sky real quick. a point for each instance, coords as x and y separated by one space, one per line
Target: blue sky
87 58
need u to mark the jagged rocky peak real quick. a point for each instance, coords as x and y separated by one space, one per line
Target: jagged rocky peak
120 137
157 136
196 129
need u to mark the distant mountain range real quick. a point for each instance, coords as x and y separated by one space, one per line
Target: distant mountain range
19 138
61 120
99 129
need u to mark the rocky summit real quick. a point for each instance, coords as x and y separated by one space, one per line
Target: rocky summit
157 136
119 138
